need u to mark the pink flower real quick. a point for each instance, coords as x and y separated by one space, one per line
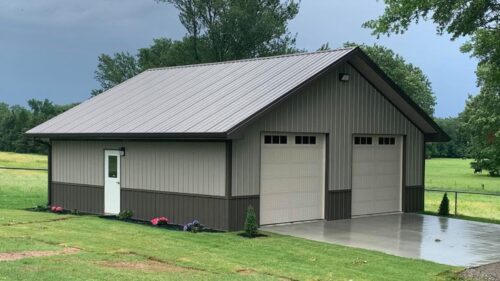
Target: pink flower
56 209
159 221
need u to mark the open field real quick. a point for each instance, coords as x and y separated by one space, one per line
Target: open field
102 249
455 174
18 160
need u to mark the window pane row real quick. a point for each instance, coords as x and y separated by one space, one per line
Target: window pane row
362 140
275 139
386 140
305 140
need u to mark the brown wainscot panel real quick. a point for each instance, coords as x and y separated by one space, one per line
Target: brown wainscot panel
338 204
180 208
413 199
238 209
84 198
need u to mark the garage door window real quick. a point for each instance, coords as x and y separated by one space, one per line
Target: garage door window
386 141
362 140
275 139
305 139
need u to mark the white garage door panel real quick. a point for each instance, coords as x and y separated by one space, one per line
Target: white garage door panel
376 177
292 180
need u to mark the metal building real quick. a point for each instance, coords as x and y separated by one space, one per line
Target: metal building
323 135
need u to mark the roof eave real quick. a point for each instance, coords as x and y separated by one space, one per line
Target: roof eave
137 136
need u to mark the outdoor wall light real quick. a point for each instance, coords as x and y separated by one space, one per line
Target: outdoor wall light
344 77
122 151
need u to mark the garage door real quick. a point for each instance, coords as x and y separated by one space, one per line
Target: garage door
292 177
376 174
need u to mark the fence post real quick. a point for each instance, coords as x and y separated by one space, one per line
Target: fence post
456 201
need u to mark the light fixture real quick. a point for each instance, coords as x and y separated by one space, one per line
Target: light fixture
344 77
122 151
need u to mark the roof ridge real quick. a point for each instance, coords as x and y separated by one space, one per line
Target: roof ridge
251 59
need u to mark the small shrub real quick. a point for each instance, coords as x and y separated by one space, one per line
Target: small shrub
159 221
125 215
444 207
56 209
194 226
251 223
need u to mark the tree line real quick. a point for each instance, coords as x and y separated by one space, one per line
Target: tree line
221 30
16 120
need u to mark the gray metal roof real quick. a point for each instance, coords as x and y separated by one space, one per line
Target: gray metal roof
206 98
203 99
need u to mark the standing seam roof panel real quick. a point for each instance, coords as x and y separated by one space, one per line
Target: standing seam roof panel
195 96
220 100
152 97
258 103
154 112
206 98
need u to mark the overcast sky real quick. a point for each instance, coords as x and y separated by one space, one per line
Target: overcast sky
49 48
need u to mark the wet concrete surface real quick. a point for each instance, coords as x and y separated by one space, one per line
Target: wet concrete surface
442 240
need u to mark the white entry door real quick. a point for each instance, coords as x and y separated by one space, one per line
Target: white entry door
292 177
376 174
111 182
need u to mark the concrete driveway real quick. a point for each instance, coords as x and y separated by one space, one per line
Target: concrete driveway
442 240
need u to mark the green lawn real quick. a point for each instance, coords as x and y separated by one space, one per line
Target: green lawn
456 174
18 160
115 250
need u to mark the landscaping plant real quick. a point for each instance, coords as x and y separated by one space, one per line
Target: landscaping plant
194 226
159 221
125 215
56 209
444 207
251 223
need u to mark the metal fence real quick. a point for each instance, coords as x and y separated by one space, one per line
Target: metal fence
456 192
27 169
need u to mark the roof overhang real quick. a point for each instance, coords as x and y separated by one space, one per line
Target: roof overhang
372 72
132 136
376 76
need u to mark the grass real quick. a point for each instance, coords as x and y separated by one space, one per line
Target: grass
22 189
18 160
202 256
115 250
456 174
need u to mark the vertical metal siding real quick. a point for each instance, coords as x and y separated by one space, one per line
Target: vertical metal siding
184 167
340 109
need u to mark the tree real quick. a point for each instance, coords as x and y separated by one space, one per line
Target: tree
478 19
238 29
16 120
111 71
444 207
217 30
481 128
251 226
456 147
408 77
